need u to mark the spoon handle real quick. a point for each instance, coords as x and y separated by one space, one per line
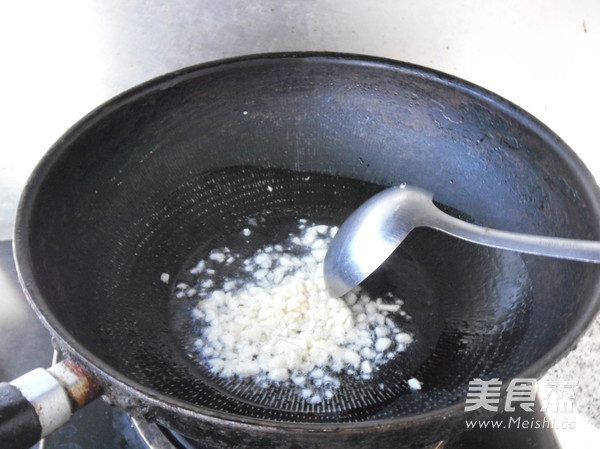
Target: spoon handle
563 248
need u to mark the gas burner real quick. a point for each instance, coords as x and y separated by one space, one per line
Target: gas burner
157 437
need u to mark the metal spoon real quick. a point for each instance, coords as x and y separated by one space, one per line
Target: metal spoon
370 235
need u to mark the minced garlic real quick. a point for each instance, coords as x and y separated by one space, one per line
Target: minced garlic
282 327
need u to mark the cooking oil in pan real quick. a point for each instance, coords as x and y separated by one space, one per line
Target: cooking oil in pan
241 212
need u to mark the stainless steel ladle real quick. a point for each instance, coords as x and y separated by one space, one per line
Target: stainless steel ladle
370 235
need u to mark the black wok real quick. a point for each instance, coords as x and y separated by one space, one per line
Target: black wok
154 179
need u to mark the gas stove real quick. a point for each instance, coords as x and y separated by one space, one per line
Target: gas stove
25 345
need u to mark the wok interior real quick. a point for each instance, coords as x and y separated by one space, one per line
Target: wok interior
176 168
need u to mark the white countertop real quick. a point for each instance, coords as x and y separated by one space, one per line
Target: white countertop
61 59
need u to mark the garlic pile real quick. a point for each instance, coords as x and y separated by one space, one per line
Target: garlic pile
279 326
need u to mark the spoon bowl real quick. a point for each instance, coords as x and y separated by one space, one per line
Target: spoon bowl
372 233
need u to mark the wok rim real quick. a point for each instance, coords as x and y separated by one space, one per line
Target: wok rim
125 385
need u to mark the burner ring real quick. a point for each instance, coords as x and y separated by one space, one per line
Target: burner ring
154 436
